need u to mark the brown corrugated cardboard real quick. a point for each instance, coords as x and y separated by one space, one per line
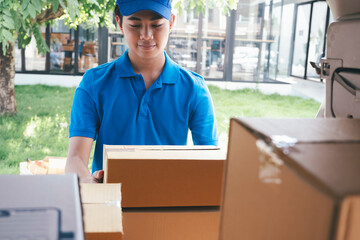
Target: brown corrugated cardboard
349 219
166 176
275 191
172 224
102 211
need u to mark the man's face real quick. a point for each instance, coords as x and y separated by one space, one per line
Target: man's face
146 33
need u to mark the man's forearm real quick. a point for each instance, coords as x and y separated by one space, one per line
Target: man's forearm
77 165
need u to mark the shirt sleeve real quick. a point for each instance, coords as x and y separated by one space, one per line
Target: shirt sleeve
84 119
202 121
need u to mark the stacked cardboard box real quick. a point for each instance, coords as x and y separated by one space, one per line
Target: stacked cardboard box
292 179
102 211
169 192
49 165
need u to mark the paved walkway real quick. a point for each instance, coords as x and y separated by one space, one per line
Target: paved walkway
291 86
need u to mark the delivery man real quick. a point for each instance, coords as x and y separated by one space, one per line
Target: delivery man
142 98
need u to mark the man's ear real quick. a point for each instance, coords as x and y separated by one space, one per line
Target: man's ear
119 22
172 21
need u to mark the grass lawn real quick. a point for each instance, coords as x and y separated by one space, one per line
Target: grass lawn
41 126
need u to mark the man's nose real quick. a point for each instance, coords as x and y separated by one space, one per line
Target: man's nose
146 33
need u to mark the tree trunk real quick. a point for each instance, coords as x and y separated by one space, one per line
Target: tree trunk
7 75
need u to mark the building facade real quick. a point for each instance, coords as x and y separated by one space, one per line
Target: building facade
260 41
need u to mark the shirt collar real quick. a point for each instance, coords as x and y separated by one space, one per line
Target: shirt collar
169 75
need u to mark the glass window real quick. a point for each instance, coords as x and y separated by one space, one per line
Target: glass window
301 40
17 57
213 45
33 60
61 48
273 40
249 33
117 43
182 43
88 48
285 41
317 36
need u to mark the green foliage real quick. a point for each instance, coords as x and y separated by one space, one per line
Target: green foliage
200 5
23 19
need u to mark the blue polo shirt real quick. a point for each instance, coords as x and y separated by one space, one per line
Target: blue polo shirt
112 106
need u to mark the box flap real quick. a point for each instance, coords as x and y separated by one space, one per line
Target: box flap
100 193
333 143
343 8
349 219
305 130
159 147
166 154
334 167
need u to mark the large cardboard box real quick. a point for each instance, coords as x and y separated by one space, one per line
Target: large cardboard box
166 176
40 207
102 211
172 223
292 179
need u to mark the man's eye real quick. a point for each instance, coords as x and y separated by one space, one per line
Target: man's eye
157 25
134 26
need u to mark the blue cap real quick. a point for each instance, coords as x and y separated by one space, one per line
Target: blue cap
161 7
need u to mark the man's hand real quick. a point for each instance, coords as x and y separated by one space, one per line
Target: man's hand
98 176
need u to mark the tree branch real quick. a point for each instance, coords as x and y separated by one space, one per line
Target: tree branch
48 15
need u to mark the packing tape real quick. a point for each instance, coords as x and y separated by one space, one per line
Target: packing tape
116 203
270 163
283 142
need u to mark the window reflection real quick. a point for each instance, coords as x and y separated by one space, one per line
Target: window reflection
17 57
88 48
317 36
34 61
301 36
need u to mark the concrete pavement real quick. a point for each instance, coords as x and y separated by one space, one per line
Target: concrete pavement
291 86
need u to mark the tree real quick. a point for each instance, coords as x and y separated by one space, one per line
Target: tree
22 19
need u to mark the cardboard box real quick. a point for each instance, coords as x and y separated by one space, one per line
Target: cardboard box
102 211
40 207
49 165
172 223
303 183
166 176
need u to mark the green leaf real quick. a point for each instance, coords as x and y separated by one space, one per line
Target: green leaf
7 12
94 2
40 41
24 4
72 9
5 45
37 5
32 10
7 35
55 5
8 22
25 14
